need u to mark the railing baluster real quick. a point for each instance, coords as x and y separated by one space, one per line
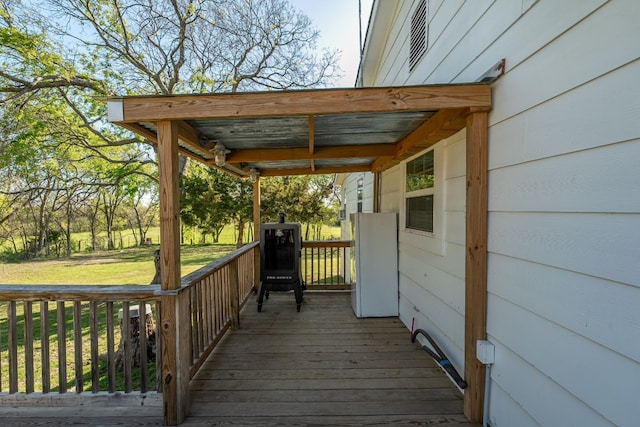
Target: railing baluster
234 295
111 362
324 261
126 339
313 262
13 346
142 311
332 266
227 295
28 346
44 347
1 360
210 298
204 327
192 318
95 365
218 294
77 345
62 347
200 327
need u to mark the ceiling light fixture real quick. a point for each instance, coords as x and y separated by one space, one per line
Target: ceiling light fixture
254 174
220 154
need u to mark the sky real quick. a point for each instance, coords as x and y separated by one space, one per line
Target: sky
337 21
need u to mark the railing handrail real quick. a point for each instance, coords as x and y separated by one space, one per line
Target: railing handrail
111 293
325 243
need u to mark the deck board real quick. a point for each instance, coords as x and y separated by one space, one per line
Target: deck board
322 366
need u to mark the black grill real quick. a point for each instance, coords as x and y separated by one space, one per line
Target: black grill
280 250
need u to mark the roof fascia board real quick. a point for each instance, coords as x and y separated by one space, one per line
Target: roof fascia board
316 102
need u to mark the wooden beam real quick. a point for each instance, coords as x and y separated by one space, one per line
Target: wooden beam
304 102
175 313
302 153
318 170
442 125
475 262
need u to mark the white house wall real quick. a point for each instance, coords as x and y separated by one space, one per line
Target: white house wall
564 210
431 268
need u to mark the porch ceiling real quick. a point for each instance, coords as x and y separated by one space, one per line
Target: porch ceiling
306 132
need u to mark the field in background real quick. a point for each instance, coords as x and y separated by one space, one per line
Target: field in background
119 267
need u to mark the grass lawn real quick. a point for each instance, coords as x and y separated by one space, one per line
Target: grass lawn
126 267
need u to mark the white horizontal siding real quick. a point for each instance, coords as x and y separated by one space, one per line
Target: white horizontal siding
503 407
569 60
579 182
390 190
601 245
514 400
444 324
351 192
601 112
530 285
574 378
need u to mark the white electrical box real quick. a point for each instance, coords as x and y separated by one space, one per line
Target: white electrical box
485 352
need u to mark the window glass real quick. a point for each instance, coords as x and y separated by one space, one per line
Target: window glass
420 213
420 173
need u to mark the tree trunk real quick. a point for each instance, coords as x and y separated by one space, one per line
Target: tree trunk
156 261
240 233
134 336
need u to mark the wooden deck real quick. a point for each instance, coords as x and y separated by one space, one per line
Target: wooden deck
322 366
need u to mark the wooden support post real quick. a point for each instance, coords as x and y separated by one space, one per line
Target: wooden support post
175 310
256 233
475 262
234 293
256 210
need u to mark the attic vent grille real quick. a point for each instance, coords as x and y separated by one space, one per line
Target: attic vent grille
418 42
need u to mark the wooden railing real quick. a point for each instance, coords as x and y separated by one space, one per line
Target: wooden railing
87 348
324 264
72 340
217 291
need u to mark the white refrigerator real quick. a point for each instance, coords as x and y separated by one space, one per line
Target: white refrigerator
374 264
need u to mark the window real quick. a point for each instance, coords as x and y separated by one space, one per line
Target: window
419 190
419 34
